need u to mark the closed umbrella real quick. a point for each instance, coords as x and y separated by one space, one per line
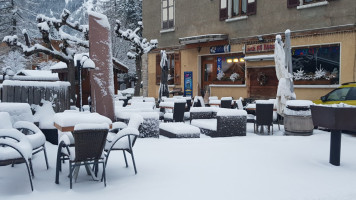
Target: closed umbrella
163 88
283 62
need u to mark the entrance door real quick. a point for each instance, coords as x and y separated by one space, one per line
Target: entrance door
207 70
263 83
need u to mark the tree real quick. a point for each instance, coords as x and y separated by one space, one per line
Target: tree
140 46
14 61
67 43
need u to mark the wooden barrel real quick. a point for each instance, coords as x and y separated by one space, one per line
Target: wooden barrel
298 125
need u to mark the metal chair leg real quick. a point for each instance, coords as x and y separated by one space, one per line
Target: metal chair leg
133 161
125 158
70 173
31 168
45 154
29 175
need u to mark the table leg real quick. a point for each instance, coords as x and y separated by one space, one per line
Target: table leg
335 147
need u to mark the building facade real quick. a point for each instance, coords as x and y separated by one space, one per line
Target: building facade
225 47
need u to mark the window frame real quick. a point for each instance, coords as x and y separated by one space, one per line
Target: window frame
167 24
240 8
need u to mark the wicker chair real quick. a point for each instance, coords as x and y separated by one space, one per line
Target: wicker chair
225 103
124 140
89 142
15 149
264 116
178 113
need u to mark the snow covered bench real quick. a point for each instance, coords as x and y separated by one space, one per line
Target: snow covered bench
203 113
179 130
228 122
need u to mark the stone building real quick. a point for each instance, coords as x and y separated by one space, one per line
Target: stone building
227 45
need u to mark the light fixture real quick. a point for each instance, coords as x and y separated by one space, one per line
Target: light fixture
229 60
242 60
260 38
236 60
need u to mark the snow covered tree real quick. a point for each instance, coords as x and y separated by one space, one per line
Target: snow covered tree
14 61
67 43
140 46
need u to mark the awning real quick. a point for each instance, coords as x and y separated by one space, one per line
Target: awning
203 38
259 57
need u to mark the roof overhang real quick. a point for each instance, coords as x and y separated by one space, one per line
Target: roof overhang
259 57
203 38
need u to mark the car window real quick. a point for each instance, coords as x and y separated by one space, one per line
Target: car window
338 94
352 94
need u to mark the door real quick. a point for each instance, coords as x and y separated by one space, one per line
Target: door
207 70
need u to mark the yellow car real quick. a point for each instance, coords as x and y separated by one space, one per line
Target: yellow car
346 93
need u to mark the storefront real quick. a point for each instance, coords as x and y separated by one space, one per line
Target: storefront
245 68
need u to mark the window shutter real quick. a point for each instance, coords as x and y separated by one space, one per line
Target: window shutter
223 14
251 7
177 72
292 3
158 69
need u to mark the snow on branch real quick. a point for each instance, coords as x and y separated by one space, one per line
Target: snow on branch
141 44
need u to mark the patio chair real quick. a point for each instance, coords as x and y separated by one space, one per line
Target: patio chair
264 116
178 113
32 132
15 148
225 104
124 140
89 142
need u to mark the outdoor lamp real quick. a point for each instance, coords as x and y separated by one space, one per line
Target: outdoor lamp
86 63
242 60
236 60
229 60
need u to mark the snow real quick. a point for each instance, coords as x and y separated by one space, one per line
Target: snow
17 111
179 128
36 75
226 98
91 126
5 122
44 115
210 124
43 26
203 109
299 103
253 167
59 65
67 119
118 125
37 139
79 56
231 112
22 145
37 83
100 18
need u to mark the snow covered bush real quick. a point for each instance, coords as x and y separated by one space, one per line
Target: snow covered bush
15 61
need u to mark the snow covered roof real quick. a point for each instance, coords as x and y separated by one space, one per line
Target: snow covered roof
203 38
36 75
120 66
59 65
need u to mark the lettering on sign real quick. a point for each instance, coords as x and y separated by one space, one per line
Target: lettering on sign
259 47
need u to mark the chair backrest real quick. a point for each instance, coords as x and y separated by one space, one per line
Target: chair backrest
264 114
225 104
5 122
178 111
189 104
89 141
239 104
18 111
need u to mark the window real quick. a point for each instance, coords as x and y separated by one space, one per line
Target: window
338 94
167 14
300 4
316 65
236 8
311 1
173 68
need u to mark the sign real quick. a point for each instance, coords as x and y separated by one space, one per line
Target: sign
218 64
188 83
259 47
220 49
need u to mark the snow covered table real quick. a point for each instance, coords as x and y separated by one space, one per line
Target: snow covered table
179 130
66 120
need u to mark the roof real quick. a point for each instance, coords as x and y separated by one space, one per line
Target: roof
203 38
36 75
259 57
59 65
120 66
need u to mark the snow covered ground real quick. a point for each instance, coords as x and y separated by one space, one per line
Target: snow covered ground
253 167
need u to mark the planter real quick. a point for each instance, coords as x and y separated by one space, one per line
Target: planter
336 119
298 125
51 135
229 82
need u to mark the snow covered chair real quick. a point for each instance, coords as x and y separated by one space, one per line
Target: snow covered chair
32 132
15 149
125 139
88 149
178 112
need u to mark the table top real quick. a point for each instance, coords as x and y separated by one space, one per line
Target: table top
66 120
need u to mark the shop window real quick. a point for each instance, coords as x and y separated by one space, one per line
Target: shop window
316 65
235 8
230 70
174 71
167 14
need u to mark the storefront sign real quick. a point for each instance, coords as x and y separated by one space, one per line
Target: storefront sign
220 49
188 83
219 64
259 47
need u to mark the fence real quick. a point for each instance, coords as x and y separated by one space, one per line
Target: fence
32 92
